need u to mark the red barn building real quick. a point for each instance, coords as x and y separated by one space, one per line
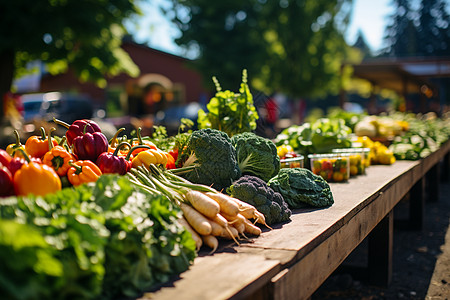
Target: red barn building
164 80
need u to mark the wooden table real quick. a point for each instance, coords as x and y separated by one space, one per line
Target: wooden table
294 259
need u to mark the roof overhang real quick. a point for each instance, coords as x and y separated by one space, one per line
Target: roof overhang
404 76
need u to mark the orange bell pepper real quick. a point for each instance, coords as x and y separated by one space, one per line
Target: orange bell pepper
37 146
35 178
57 157
83 171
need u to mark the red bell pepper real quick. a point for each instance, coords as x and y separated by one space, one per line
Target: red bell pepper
113 163
5 158
89 146
170 162
78 128
6 182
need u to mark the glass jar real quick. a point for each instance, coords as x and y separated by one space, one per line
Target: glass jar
357 159
293 162
333 167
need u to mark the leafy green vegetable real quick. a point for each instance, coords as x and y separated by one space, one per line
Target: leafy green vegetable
256 155
302 188
165 142
213 157
320 136
105 240
350 118
75 236
146 246
255 191
24 251
230 112
423 137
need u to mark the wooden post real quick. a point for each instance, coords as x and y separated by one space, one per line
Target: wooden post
380 251
445 171
433 183
417 205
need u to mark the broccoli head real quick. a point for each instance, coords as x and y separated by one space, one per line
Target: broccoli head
256 155
214 158
302 188
255 191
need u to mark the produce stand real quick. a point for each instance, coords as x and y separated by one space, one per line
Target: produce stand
293 259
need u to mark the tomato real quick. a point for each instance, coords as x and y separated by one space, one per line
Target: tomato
327 165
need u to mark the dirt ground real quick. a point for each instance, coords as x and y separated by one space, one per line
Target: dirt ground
421 260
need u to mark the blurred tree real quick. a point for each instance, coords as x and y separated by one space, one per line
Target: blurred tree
434 32
362 45
420 32
83 34
289 46
401 33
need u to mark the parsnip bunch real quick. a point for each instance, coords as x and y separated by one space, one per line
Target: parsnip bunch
212 215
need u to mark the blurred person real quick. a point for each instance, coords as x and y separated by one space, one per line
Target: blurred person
12 107
271 116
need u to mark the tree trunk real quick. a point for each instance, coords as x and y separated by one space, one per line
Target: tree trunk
6 76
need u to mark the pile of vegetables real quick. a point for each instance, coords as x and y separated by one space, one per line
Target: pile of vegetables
207 213
127 222
84 217
425 135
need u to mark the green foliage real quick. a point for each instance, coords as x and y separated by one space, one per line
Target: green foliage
165 142
423 137
293 47
256 155
230 112
350 118
255 191
105 240
302 188
83 34
320 136
213 157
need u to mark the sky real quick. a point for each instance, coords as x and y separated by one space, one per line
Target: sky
369 16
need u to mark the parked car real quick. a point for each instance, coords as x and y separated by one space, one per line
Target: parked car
171 117
64 106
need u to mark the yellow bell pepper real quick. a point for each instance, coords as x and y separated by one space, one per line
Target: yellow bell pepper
150 156
11 149
282 150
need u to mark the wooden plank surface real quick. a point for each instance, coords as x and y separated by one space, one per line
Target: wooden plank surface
292 260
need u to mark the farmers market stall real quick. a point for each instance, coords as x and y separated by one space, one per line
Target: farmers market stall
213 213
293 260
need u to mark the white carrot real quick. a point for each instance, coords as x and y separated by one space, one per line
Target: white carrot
203 203
195 236
251 229
211 241
227 205
198 221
